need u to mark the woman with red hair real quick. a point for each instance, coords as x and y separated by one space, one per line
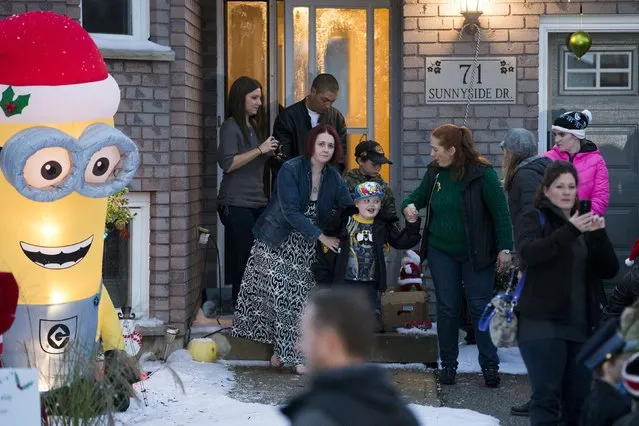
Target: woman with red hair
278 276
467 231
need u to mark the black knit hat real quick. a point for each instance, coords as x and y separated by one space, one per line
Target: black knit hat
573 122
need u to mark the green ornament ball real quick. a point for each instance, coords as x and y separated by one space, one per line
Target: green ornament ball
579 43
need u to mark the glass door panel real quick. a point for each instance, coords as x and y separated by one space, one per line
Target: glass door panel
353 44
381 96
340 38
300 52
246 41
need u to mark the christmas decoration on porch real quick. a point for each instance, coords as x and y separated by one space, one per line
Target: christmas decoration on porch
579 42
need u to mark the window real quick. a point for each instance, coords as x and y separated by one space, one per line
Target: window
117 19
601 72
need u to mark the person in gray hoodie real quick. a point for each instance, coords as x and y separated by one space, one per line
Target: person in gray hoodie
523 172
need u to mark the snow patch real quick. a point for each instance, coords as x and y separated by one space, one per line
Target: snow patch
418 331
510 361
179 355
149 322
205 401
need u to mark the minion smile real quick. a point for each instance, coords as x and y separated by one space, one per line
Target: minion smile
57 257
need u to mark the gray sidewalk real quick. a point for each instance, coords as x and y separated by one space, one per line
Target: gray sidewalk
267 386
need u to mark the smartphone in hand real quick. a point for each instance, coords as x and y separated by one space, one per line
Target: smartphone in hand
585 206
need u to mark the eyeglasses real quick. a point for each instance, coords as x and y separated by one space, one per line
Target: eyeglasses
45 164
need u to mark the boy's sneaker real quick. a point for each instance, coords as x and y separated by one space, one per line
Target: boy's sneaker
491 377
447 375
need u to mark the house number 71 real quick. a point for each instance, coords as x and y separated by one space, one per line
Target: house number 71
468 67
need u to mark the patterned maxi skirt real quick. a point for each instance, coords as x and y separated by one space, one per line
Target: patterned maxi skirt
273 293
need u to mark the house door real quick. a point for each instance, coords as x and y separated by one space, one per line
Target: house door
605 81
350 40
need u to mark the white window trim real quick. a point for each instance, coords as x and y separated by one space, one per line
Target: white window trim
597 70
136 46
139 254
562 24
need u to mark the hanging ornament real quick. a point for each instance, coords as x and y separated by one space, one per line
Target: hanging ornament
579 43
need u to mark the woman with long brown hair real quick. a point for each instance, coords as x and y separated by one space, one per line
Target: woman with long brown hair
467 230
241 197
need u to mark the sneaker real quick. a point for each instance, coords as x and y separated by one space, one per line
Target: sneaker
447 376
491 377
522 410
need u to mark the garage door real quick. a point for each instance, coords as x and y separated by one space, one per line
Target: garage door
605 82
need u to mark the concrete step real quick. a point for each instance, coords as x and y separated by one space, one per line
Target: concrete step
389 348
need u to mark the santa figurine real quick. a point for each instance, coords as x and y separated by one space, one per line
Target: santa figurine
410 276
634 252
8 304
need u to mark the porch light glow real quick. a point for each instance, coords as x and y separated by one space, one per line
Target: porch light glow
472 10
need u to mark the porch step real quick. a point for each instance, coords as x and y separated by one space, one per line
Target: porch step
389 348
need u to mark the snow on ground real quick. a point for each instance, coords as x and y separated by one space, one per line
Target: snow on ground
510 360
205 401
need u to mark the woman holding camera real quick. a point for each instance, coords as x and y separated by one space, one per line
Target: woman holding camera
241 197
567 253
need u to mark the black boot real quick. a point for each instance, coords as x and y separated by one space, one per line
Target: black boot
447 375
522 410
491 377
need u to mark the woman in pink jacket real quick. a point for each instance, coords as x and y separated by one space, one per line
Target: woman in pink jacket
571 145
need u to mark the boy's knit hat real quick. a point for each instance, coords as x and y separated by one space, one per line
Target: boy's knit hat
521 142
368 189
573 122
630 375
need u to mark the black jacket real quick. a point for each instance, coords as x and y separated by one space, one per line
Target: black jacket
603 406
293 124
624 294
547 254
480 228
351 396
330 267
523 186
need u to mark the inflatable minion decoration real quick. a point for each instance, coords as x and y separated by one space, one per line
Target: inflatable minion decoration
60 158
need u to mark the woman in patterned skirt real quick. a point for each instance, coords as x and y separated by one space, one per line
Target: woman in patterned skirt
278 276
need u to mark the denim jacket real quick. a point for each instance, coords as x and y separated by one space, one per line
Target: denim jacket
285 211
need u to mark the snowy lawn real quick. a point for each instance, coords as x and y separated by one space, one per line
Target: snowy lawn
205 401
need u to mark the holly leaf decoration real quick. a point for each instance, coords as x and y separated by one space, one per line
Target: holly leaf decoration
12 105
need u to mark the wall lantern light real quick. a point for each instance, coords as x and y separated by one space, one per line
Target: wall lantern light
472 10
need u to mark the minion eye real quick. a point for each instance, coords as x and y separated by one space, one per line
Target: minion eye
102 165
47 167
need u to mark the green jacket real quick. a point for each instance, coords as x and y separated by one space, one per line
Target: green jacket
354 177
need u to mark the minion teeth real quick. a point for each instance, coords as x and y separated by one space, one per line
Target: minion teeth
57 257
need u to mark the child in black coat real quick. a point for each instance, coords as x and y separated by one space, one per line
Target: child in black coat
363 236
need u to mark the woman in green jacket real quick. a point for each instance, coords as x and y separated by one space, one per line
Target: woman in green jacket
467 230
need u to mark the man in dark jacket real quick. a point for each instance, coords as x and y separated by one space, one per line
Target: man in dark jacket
293 124
337 337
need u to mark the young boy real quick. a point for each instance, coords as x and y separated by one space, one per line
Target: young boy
370 157
363 234
606 353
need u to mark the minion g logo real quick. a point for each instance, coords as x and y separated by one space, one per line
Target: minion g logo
55 336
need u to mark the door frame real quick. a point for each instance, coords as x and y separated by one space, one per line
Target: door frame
562 24
139 253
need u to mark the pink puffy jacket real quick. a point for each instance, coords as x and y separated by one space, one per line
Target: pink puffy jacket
593 174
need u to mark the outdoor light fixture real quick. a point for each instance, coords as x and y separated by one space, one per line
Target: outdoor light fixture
472 10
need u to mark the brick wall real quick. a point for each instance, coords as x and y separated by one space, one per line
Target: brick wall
509 27
186 157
